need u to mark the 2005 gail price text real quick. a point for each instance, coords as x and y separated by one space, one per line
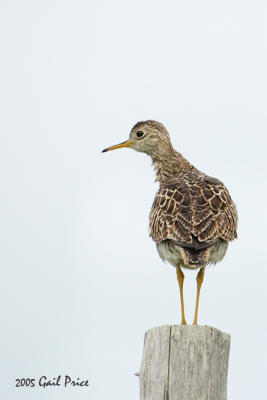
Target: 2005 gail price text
46 382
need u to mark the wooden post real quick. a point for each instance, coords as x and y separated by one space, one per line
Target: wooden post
184 362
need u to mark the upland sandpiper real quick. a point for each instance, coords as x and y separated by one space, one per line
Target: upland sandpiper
193 217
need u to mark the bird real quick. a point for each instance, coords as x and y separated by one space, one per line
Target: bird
193 217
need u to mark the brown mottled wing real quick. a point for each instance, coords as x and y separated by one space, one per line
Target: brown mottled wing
194 210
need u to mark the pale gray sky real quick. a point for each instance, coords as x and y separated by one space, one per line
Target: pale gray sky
81 280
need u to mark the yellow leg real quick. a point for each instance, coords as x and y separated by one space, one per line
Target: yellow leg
200 277
180 277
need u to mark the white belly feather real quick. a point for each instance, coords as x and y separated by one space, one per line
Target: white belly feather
171 252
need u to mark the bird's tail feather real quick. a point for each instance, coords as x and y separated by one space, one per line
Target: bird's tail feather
195 258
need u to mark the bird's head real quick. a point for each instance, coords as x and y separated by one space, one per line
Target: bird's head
150 137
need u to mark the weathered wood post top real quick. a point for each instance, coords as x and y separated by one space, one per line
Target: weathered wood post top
184 362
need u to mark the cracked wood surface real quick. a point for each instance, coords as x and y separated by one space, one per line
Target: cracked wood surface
184 363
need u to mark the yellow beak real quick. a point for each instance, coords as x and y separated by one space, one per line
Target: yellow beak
118 146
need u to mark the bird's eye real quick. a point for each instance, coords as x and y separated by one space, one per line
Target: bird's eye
139 133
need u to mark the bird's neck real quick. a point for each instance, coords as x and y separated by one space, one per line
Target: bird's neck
170 165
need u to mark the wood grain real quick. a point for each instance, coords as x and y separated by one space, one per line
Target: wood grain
184 363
